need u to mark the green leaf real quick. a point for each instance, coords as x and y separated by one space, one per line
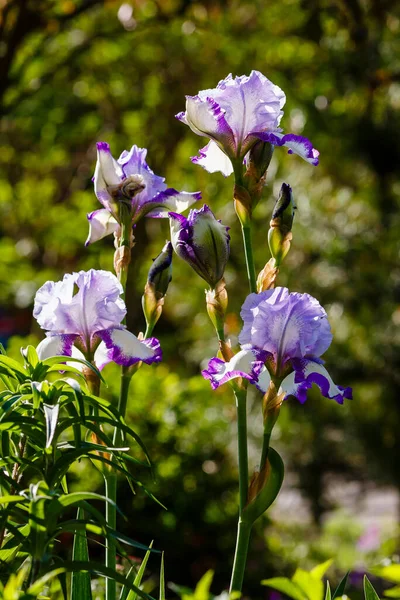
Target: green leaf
393 592
80 580
30 355
328 595
282 584
51 415
369 592
341 587
130 595
320 570
389 572
202 591
312 587
269 491
162 579
91 567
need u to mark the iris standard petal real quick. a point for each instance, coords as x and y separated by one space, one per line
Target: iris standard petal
308 372
108 172
246 363
126 349
213 159
101 223
288 325
82 304
206 118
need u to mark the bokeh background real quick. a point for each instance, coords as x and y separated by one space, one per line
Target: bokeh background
73 72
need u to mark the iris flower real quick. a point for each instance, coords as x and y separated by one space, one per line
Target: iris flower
284 336
130 179
237 113
82 314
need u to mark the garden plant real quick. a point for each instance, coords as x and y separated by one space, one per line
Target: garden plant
54 414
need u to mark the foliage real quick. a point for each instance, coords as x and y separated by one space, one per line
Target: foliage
345 231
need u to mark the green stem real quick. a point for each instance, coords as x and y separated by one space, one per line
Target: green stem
240 396
111 488
265 449
239 563
248 252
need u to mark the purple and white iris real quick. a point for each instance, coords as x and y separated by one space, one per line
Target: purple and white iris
237 113
202 241
82 316
130 179
287 332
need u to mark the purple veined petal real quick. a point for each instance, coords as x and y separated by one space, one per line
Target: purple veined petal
56 345
213 159
288 325
206 118
126 349
295 143
101 223
251 103
246 363
134 163
308 372
82 303
107 172
169 200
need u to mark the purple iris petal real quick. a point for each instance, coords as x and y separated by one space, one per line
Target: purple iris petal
126 349
237 113
84 308
288 325
202 241
55 345
246 363
82 303
305 374
295 143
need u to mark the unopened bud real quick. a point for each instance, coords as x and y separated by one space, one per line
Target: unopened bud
158 279
202 241
217 303
257 164
279 235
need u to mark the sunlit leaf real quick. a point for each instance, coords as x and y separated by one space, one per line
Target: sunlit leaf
282 584
369 592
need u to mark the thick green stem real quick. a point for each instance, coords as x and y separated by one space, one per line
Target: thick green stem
248 252
239 563
243 535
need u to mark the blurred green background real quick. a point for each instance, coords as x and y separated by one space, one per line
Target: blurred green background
73 72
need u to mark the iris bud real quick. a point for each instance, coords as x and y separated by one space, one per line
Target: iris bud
202 241
279 235
158 280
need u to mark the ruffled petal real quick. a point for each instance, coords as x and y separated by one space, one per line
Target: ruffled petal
308 372
288 325
82 303
296 144
55 345
213 159
101 223
108 172
124 348
169 200
206 118
246 363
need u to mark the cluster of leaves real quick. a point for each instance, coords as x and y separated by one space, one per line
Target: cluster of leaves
45 427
